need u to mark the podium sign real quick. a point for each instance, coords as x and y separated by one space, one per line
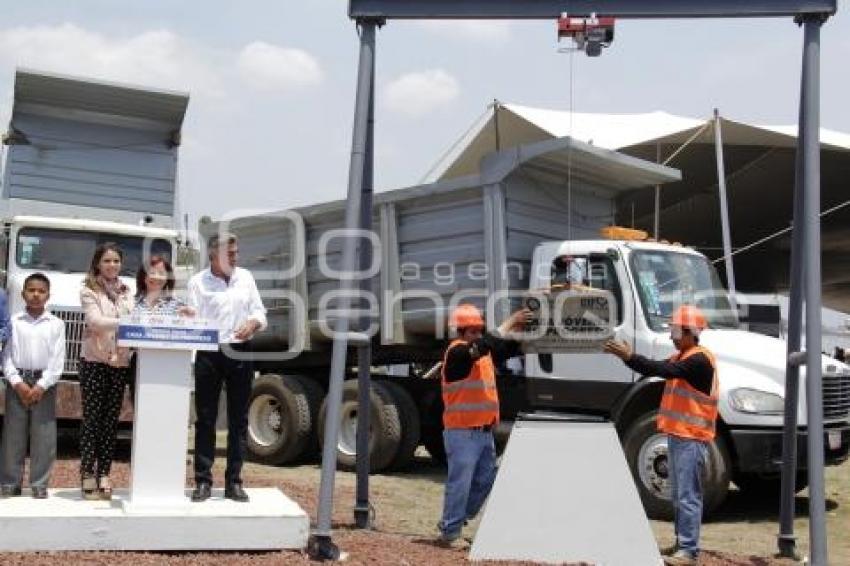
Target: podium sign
167 332
163 388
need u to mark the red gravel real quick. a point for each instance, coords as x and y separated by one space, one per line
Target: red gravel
364 547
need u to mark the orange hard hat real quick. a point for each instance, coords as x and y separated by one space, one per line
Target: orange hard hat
688 316
466 316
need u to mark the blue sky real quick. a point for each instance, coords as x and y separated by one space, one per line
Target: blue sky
272 83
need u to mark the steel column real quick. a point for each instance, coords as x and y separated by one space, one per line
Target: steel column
364 352
786 540
321 545
809 146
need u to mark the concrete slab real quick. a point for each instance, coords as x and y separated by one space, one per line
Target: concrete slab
64 521
564 493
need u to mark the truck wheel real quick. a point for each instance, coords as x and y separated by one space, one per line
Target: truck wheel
646 452
315 393
278 419
770 486
409 415
385 429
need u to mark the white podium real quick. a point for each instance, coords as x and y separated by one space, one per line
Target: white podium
156 513
161 414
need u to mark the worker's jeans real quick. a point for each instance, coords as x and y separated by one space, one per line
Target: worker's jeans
686 458
471 456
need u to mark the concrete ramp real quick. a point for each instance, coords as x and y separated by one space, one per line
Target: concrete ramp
564 493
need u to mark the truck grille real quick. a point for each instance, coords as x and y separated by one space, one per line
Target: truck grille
836 396
74 326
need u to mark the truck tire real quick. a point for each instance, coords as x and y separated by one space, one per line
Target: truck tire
770 486
315 394
646 453
279 420
385 429
410 430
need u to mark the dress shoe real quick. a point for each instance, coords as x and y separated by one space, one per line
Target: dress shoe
39 492
10 491
235 492
201 492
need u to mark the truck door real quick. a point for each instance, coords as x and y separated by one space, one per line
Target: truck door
589 381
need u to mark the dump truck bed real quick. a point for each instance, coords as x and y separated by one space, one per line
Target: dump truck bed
472 236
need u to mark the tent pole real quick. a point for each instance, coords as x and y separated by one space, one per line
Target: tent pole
655 233
724 211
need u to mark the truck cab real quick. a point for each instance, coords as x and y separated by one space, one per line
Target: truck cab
86 162
648 281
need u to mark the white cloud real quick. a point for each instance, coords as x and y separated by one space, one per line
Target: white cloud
154 58
416 94
469 30
270 67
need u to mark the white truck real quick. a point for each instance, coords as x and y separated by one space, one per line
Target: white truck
497 234
86 162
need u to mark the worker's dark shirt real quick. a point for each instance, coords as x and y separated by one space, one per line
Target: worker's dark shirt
459 359
696 370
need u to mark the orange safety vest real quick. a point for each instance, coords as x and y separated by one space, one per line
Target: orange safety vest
472 401
685 411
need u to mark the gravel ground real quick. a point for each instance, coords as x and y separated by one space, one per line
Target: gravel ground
400 536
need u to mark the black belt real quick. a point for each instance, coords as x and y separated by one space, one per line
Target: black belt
482 428
30 375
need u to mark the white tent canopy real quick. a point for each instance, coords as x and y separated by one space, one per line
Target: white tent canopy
759 175
508 125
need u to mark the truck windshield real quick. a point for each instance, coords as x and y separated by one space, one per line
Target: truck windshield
666 280
70 251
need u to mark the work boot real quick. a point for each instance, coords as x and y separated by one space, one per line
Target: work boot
456 542
681 558
669 550
39 492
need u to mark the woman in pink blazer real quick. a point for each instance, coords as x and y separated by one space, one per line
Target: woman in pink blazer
104 368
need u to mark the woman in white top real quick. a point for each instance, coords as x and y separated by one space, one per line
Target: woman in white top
155 289
104 368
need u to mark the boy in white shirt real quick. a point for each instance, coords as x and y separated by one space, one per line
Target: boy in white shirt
32 364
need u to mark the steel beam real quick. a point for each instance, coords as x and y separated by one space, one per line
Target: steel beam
552 9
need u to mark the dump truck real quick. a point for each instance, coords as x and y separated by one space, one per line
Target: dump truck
86 162
503 233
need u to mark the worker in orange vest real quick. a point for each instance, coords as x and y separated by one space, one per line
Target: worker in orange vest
687 416
471 412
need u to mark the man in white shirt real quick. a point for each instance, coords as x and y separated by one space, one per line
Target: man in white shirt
227 296
33 362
